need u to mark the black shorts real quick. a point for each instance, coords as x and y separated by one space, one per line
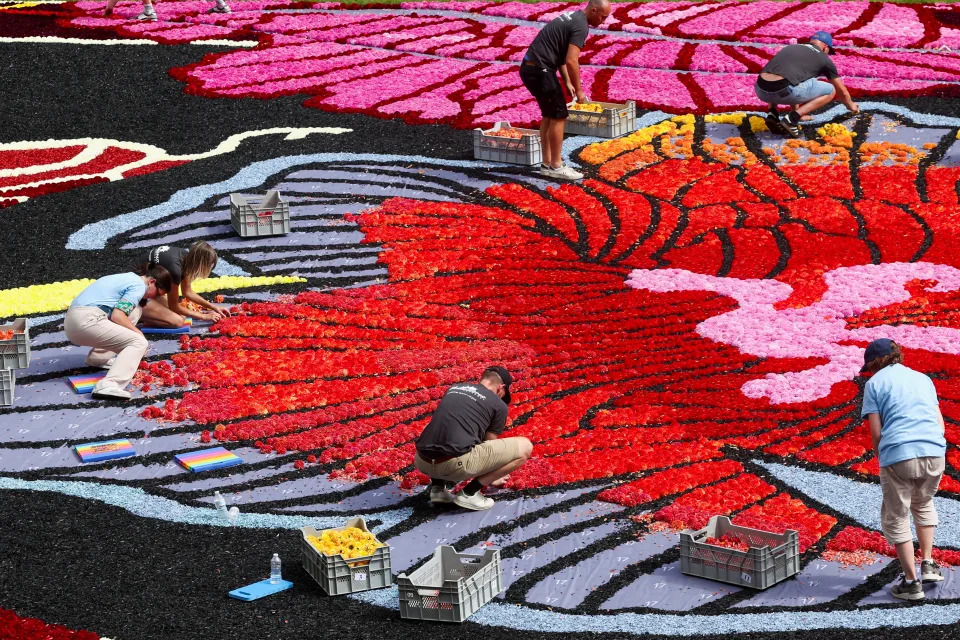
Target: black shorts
545 87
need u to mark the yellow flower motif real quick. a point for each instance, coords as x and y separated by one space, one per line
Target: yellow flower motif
836 134
757 124
726 118
348 543
57 296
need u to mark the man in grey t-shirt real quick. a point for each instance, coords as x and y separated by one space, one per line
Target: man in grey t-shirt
791 78
557 48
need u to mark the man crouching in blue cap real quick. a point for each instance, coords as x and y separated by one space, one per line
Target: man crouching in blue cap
791 78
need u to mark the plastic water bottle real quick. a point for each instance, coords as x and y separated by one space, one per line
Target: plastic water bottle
275 576
220 504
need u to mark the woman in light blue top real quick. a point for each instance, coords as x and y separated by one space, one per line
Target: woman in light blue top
104 316
908 437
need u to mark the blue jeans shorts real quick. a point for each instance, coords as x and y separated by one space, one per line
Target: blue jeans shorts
799 94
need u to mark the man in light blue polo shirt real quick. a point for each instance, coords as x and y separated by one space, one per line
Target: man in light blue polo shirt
908 437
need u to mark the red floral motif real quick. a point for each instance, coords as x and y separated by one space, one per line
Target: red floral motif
783 512
611 381
13 627
856 539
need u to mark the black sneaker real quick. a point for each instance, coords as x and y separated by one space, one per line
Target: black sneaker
773 124
792 130
930 571
908 591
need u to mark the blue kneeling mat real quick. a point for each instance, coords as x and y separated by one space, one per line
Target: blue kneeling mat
259 590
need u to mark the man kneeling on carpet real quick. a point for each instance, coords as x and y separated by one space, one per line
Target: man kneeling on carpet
908 437
791 78
462 441
104 316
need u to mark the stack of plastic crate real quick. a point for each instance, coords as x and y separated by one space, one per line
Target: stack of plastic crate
14 354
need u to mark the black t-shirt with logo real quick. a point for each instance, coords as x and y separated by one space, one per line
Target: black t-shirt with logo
465 414
549 49
171 259
800 62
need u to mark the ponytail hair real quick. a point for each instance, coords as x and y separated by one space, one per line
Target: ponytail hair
199 261
158 273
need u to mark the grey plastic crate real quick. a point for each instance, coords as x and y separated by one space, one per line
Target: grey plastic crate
8 383
614 121
253 217
450 586
525 150
15 352
335 575
772 558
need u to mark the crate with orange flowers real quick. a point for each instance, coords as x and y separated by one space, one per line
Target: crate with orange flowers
347 559
602 119
504 143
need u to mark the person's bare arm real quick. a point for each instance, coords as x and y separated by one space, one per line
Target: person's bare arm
844 95
212 313
943 425
120 318
571 72
490 435
875 428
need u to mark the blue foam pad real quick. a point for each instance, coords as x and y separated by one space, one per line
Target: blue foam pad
259 590
184 329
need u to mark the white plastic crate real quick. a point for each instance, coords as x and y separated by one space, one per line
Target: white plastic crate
524 150
8 383
772 558
337 576
253 217
15 352
450 586
614 121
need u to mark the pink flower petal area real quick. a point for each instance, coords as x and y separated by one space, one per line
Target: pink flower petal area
459 68
757 328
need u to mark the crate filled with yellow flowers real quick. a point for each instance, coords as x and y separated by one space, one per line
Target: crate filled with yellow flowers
347 559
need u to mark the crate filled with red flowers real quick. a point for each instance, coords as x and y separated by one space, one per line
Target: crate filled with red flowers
739 555
504 143
15 345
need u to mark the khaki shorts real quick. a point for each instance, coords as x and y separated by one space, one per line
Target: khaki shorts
908 487
487 456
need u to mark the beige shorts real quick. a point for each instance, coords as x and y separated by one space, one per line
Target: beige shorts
908 487
487 456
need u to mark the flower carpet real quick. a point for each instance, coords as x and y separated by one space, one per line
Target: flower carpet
685 325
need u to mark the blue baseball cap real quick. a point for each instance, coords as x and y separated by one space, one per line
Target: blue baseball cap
825 38
876 349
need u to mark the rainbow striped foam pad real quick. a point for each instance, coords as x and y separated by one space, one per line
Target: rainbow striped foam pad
106 450
86 382
208 459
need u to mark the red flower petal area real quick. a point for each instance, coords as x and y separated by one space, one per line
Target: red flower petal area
13 627
610 381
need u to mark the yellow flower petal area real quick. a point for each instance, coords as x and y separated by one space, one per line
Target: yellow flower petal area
837 134
57 296
735 119
349 543
600 152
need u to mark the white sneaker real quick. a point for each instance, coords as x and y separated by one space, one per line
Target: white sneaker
220 8
440 495
563 172
110 392
476 502
147 16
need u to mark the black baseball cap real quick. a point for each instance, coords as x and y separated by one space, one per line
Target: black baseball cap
876 349
506 377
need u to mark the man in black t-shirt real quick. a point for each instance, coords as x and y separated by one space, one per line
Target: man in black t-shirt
462 441
557 48
791 78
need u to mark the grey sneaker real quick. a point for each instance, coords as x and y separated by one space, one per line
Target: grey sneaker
476 502
792 130
440 495
930 571
908 591
107 392
220 8
152 15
